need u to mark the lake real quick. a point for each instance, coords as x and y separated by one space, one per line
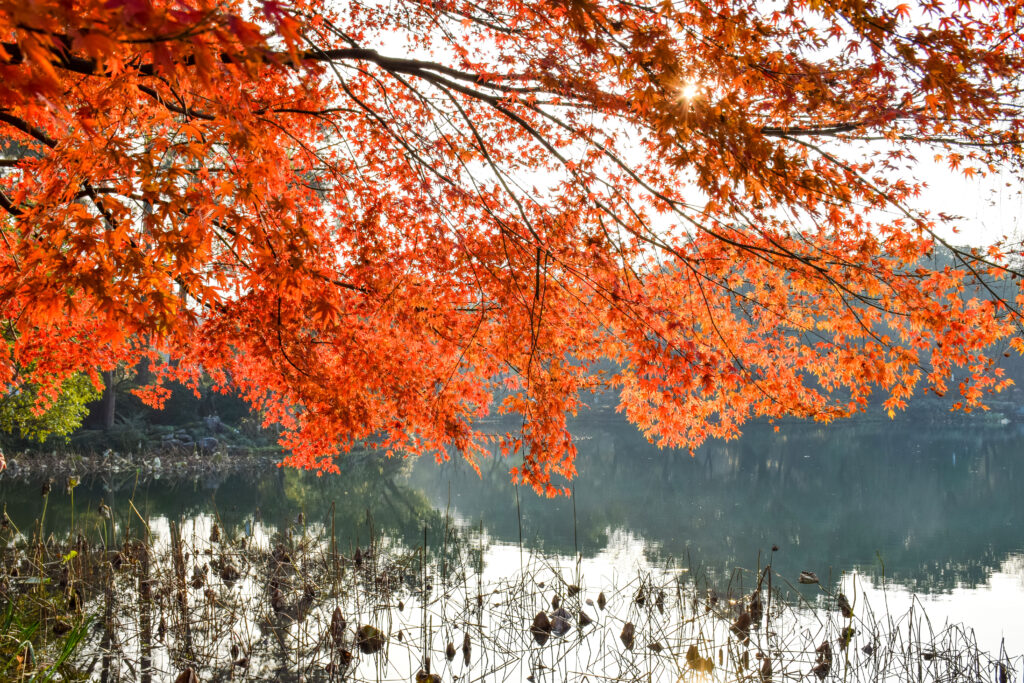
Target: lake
927 514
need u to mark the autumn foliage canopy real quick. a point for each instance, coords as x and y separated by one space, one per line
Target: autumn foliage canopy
384 220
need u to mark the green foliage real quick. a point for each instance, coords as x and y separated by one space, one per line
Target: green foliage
30 649
19 418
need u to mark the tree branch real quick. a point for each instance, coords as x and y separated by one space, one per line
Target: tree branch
62 59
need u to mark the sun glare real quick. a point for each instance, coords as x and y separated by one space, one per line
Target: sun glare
688 91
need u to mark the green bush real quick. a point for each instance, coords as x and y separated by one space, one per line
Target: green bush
18 417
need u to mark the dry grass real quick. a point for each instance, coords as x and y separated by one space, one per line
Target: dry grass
291 606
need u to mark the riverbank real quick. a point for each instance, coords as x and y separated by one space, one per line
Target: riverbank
152 465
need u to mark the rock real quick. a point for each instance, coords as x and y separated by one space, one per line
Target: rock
214 424
808 577
207 445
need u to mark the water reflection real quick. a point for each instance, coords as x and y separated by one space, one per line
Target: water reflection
937 508
365 499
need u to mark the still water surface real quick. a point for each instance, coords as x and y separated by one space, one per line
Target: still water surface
934 510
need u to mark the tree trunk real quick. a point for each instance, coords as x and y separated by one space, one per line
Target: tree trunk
109 399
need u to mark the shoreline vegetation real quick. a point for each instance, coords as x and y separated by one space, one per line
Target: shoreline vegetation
154 600
210 445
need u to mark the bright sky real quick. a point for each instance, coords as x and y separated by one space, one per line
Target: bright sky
991 207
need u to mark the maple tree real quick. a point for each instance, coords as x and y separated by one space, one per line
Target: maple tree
368 217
